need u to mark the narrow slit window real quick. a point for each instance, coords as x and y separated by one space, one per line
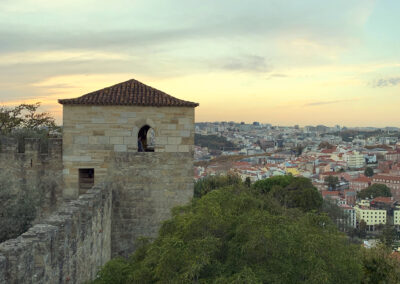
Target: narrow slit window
86 178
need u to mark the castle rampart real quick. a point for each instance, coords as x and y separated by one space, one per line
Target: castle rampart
32 163
68 247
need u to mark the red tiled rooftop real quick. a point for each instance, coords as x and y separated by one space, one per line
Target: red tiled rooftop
362 179
376 178
131 92
383 199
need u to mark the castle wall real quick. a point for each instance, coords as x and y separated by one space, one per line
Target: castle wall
68 247
92 133
146 186
34 167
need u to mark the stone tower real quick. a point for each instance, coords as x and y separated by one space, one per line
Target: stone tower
139 140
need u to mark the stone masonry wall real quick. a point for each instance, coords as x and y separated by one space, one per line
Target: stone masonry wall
146 186
68 247
33 166
92 133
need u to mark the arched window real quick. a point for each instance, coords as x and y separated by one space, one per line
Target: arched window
146 137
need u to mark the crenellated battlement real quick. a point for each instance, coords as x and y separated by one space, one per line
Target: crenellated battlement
32 146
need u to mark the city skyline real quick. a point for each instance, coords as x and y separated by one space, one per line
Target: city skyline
281 62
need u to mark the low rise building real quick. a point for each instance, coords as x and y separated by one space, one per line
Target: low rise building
354 159
393 182
360 183
371 216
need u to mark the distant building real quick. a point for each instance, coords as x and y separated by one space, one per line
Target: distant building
371 216
393 182
354 159
360 183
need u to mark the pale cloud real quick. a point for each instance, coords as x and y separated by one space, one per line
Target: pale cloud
58 56
386 82
320 103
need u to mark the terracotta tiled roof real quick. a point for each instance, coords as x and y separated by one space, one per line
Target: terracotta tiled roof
378 178
362 179
383 199
131 92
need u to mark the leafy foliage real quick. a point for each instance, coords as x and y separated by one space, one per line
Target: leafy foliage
380 266
24 116
209 183
240 235
368 172
213 142
375 190
291 192
331 182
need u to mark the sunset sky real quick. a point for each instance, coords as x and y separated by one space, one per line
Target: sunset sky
282 62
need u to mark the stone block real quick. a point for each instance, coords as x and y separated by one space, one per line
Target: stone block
120 148
130 140
77 158
183 148
116 140
161 140
128 114
171 148
81 139
174 140
98 120
185 133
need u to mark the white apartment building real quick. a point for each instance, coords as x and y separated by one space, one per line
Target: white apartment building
354 159
371 216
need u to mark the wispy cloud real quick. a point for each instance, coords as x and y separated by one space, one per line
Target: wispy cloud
387 82
320 103
250 63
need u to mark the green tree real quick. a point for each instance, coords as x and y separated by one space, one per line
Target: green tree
24 116
331 182
375 190
247 182
362 229
266 185
380 266
291 192
368 172
209 183
388 235
236 235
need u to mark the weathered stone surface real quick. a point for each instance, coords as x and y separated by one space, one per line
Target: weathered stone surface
146 186
34 165
68 247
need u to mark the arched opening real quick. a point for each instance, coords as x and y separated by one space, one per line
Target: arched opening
146 137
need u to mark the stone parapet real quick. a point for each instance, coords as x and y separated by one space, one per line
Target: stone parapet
68 247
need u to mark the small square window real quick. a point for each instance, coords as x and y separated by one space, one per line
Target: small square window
86 178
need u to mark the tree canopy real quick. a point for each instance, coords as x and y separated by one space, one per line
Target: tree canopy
237 234
24 116
369 172
331 182
375 190
213 142
291 192
241 235
209 183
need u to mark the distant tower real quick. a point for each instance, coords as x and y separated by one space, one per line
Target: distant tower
139 139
